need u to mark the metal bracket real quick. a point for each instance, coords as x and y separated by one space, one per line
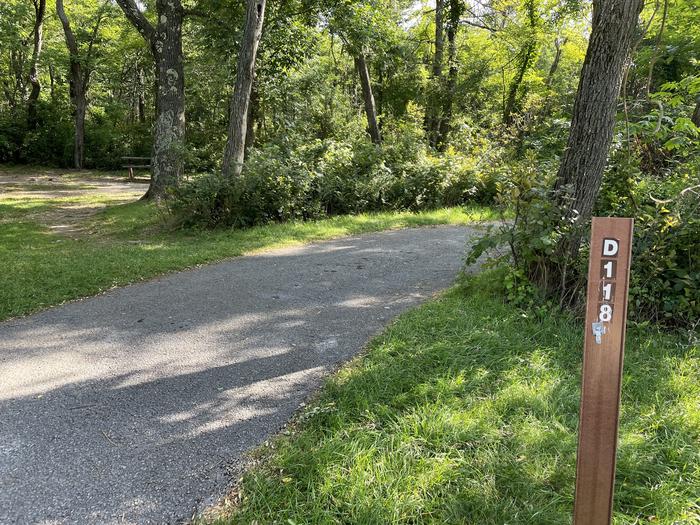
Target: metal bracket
598 332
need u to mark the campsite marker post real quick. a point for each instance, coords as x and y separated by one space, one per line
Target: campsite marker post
604 345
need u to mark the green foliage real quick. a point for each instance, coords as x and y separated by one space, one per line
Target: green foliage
533 238
656 180
653 178
665 283
53 138
329 177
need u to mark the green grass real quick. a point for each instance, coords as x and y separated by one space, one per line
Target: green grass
466 411
129 242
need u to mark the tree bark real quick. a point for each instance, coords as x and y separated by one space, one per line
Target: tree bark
549 102
512 98
433 102
234 153
439 38
52 80
165 42
368 97
80 71
595 108
141 98
39 12
80 109
445 124
525 59
555 63
251 119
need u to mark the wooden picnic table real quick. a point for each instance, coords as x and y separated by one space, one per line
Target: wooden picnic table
132 163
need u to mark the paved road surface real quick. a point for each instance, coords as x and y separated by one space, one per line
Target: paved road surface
136 406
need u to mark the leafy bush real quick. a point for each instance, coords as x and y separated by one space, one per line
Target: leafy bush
533 238
665 282
663 197
53 137
283 181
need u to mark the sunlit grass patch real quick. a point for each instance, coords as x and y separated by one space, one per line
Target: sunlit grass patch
464 411
125 243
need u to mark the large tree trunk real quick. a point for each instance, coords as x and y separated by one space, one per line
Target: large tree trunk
77 87
39 11
433 102
368 97
595 108
234 153
165 42
167 158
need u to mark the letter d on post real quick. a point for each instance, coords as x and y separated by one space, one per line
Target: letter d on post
611 247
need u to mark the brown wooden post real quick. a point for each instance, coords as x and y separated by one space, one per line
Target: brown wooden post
604 344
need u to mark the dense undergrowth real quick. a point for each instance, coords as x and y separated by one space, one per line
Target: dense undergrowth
308 180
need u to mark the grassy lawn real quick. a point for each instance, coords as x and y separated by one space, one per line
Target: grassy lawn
466 411
63 246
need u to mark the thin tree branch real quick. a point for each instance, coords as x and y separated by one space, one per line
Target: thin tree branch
138 19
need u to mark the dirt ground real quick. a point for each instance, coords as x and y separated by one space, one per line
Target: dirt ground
63 199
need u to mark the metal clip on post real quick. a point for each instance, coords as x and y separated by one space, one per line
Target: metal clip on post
598 331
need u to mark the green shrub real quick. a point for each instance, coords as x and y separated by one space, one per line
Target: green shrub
662 196
53 137
288 181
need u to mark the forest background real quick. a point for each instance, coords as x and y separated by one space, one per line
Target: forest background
373 105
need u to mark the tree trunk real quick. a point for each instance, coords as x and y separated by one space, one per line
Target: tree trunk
368 97
165 42
17 62
433 102
595 108
40 11
80 70
141 98
252 118
525 58
80 108
555 63
77 87
512 98
167 158
52 85
445 124
234 153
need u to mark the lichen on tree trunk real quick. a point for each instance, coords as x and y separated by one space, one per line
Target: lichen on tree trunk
165 42
167 158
